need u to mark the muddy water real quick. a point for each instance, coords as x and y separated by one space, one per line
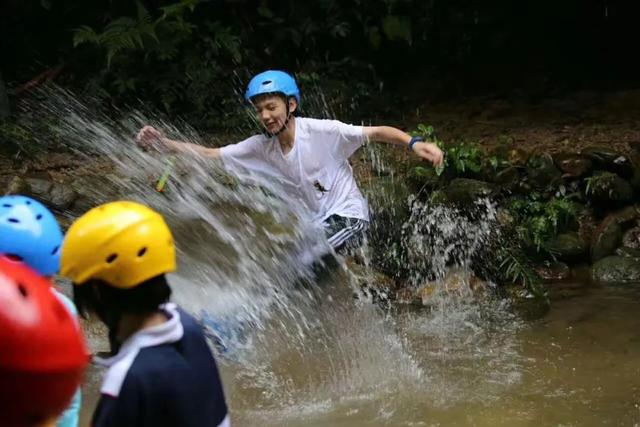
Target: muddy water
577 366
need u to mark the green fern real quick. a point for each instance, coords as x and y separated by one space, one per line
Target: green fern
514 267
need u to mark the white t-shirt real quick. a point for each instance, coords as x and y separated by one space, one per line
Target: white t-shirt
316 170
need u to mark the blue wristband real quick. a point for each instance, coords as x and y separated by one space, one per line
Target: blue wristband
414 140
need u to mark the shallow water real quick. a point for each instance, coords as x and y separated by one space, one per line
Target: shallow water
316 357
577 366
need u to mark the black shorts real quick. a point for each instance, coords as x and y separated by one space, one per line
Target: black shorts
344 233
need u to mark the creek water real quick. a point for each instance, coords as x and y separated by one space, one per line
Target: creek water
323 354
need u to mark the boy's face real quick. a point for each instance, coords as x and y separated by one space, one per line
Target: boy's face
271 110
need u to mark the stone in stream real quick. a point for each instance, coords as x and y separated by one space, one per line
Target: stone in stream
569 246
553 271
617 269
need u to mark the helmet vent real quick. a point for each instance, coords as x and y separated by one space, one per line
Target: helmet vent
14 220
266 82
14 257
23 290
111 258
28 202
7 205
39 217
142 251
55 250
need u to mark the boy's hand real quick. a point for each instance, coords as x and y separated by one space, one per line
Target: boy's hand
149 137
430 152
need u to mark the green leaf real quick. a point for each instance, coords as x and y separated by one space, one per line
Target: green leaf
397 27
374 37
264 11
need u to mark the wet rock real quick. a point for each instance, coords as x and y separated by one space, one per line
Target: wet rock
518 157
569 246
608 159
423 177
616 268
607 188
528 305
635 179
628 252
553 271
542 172
606 238
457 283
54 195
374 285
573 165
508 177
466 191
631 238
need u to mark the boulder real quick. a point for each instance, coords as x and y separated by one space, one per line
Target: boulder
542 172
608 159
628 252
606 239
616 268
465 191
553 271
631 238
54 195
608 189
569 246
573 165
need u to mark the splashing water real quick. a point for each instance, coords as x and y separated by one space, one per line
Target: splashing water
304 351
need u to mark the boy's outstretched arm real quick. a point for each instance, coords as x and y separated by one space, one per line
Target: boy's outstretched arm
391 135
150 137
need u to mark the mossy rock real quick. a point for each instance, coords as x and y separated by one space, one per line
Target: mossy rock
631 238
608 189
526 304
553 271
542 172
569 246
465 191
618 269
573 165
608 159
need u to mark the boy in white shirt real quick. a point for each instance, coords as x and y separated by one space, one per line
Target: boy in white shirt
308 157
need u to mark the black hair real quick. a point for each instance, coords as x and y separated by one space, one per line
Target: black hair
110 303
280 95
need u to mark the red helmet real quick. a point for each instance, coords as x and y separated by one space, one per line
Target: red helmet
42 351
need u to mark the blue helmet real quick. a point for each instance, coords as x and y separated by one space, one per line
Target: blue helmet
272 81
28 230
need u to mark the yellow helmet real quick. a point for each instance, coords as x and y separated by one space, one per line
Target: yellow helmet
120 243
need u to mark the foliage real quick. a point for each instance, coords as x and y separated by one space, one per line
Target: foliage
538 220
514 267
460 159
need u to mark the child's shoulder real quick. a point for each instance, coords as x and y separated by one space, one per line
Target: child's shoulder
318 124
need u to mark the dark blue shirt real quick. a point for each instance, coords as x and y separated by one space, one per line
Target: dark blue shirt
173 383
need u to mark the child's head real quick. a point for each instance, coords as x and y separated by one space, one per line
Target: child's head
43 354
30 233
275 96
116 255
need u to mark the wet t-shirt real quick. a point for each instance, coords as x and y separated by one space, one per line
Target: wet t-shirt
316 171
